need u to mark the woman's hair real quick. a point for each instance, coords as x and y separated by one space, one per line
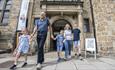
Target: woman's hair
67 26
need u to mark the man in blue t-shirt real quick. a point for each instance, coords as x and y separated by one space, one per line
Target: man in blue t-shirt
41 27
76 40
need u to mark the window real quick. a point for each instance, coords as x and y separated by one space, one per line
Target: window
2 2
5 18
86 25
5 10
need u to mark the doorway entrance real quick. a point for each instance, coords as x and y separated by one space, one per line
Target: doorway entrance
56 27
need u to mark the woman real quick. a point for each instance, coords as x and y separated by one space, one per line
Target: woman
68 40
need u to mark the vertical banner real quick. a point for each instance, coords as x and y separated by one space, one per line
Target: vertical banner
23 14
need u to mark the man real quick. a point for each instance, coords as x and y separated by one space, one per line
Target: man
41 27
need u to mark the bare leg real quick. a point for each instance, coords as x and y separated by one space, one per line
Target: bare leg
58 54
25 60
25 56
17 56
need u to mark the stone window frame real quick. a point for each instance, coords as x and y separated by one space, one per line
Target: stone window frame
86 25
5 12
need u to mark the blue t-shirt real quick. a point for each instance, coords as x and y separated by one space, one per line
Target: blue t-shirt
59 39
76 34
42 25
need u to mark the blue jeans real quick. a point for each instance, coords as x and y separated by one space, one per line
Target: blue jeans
68 45
41 38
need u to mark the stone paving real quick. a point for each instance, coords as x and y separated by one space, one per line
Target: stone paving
101 63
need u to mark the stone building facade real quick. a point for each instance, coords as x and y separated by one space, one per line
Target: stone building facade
61 12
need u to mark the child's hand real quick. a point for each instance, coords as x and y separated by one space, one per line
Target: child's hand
14 53
63 40
31 36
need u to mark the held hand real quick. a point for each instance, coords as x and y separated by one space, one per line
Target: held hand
14 53
52 36
31 36
63 40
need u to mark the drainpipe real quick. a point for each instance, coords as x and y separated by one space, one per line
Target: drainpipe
93 23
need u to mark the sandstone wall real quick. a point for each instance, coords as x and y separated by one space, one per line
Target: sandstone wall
104 13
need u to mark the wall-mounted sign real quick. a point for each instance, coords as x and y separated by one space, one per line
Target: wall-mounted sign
23 14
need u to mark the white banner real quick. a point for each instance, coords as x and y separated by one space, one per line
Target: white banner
90 44
23 14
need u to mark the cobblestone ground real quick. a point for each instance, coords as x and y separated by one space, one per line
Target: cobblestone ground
101 63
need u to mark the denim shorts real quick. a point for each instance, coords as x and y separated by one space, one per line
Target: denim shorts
59 48
76 43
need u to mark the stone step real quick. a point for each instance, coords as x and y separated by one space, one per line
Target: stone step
5 51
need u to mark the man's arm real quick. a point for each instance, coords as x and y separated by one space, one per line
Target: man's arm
34 31
50 28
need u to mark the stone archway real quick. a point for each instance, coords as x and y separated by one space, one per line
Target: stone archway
53 19
56 27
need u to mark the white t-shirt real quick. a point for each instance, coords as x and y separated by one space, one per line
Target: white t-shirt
68 34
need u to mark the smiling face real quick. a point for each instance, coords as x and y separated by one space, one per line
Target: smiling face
24 31
67 26
61 32
75 25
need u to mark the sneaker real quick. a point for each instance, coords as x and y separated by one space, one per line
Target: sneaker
79 55
80 58
69 57
59 59
13 67
66 59
25 63
38 66
75 54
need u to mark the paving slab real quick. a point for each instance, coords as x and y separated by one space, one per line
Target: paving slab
51 63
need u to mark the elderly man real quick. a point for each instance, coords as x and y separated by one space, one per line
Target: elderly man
41 27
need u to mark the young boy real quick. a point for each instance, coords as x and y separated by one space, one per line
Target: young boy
22 47
76 40
59 38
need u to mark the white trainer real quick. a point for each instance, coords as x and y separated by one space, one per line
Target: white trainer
38 66
69 57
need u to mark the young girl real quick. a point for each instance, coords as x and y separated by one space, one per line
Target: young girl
59 38
22 47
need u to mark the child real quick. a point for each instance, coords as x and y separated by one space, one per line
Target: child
59 38
76 40
22 47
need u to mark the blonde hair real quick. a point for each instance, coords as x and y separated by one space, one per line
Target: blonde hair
67 26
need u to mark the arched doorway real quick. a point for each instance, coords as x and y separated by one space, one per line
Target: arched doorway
56 27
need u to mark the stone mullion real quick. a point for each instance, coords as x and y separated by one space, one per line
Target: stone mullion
47 44
30 14
81 26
